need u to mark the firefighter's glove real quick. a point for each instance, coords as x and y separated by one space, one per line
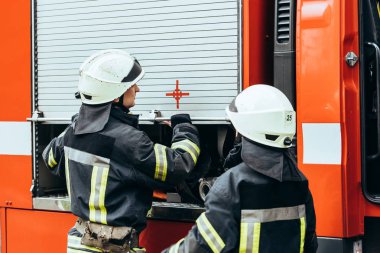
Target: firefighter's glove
180 118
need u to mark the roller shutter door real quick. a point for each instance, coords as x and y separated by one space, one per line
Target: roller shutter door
194 44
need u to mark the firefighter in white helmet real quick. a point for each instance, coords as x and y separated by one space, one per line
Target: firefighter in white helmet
262 204
110 166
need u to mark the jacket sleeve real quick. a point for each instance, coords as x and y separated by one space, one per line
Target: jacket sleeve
217 229
168 165
54 157
311 241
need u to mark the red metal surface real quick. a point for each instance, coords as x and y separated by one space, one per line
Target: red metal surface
37 231
15 64
257 42
3 229
328 92
350 103
15 88
160 234
318 56
15 181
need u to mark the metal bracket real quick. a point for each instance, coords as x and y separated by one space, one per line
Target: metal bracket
351 59
35 116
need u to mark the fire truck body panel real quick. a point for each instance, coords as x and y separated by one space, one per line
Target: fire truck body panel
328 103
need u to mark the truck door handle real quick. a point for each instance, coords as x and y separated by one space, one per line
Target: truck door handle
377 61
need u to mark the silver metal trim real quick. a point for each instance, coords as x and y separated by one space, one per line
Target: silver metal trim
158 119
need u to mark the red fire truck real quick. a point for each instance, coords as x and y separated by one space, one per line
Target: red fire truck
324 54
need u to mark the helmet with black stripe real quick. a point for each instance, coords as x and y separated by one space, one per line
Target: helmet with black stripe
106 75
262 113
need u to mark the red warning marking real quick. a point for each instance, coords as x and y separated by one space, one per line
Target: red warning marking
177 94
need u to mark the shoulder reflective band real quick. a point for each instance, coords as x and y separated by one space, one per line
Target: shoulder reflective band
98 212
175 247
161 162
274 214
303 232
189 147
209 234
249 237
51 160
84 157
74 246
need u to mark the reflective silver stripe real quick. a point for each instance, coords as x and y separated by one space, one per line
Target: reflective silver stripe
175 247
84 157
98 212
161 162
209 234
189 147
74 245
67 174
274 214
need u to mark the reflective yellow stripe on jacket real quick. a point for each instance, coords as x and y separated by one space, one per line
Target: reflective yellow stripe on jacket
52 162
209 234
161 162
189 147
251 221
98 212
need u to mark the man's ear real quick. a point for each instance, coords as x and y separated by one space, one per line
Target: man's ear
116 100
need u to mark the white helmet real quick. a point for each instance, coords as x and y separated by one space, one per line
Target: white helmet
263 114
106 75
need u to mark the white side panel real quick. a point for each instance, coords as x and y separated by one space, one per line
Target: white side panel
322 143
15 138
195 42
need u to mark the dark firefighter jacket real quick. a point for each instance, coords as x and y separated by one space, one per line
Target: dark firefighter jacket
111 167
261 205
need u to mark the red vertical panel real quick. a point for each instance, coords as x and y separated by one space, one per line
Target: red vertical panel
3 230
15 181
318 68
258 26
351 146
37 231
15 66
15 102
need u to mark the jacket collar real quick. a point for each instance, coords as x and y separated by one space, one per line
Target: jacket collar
92 118
125 116
275 163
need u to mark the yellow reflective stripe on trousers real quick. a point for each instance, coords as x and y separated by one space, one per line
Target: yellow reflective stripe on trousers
249 237
189 147
74 245
161 162
303 232
98 212
209 234
175 247
51 160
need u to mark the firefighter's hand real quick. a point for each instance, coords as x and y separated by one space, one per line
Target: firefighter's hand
180 118
167 123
